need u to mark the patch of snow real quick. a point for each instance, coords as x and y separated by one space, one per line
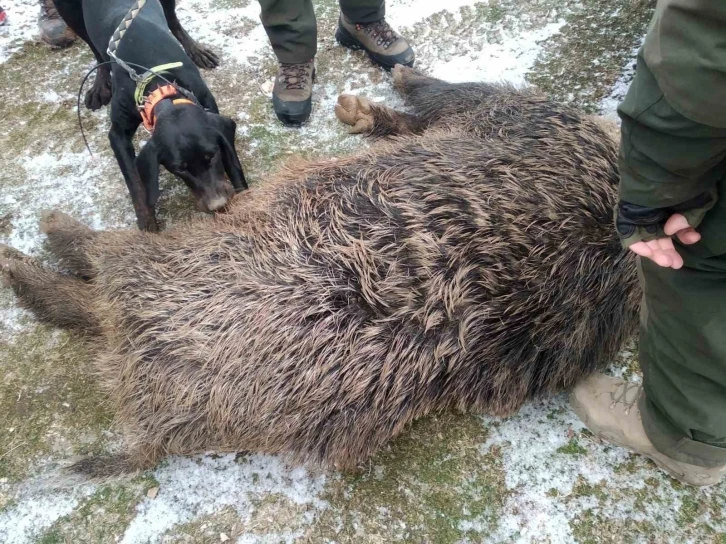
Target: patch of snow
529 442
193 487
52 97
507 61
544 503
410 12
11 318
70 181
223 30
21 26
31 515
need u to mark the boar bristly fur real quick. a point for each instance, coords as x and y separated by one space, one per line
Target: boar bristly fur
466 261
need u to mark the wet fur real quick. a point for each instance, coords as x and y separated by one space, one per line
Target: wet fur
467 262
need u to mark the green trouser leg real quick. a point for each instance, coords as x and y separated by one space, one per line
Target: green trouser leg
363 11
683 356
666 159
293 30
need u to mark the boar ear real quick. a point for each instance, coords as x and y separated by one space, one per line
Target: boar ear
147 165
226 128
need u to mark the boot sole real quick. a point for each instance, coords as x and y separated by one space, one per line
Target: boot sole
344 38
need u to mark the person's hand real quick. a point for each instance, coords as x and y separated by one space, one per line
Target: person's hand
661 250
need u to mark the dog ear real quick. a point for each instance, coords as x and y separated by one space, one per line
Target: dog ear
226 129
147 165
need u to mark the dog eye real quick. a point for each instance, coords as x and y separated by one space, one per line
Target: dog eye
183 166
207 157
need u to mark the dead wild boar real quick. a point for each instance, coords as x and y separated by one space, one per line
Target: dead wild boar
466 261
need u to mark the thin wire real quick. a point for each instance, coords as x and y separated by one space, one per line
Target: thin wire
78 102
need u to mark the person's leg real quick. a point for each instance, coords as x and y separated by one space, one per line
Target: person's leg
292 29
678 417
363 11
362 25
3 16
293 33
53 30
683 357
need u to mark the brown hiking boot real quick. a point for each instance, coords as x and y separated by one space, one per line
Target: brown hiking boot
384 46
53 30
293 92
609 408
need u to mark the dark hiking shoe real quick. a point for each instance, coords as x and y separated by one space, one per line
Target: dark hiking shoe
293 92
384 46
609 408
53 30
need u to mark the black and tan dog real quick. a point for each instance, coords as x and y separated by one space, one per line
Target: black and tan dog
189 137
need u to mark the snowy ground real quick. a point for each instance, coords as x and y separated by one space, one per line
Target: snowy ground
536 477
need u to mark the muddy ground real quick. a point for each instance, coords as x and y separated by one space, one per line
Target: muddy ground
535 477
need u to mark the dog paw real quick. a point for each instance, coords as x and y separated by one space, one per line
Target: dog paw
100 94
356 112
146 220
203 56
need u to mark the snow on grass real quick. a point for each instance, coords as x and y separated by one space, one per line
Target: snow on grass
70 181
30 515
534 468
21 26
559 477
236 33
193 487
409 12
509 60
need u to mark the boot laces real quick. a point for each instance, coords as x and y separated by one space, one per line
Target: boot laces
626 394
380 31
294 75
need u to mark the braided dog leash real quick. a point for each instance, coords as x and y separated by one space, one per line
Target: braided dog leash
119 34
141 80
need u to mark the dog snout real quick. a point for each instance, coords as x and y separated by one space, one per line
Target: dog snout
215 200
217 203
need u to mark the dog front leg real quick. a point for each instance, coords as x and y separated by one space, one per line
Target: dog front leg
200 55
123 149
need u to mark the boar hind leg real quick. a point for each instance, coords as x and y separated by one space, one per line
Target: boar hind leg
375 120
68 240
433 99
61 301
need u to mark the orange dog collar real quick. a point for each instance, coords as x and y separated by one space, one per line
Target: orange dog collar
150 102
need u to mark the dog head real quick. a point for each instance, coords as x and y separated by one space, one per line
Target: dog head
198 148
